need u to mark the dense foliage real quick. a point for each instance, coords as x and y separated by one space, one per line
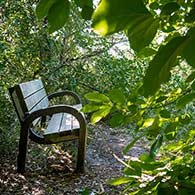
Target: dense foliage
160 115
151 86
73 58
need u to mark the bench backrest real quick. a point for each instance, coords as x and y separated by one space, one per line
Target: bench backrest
28 97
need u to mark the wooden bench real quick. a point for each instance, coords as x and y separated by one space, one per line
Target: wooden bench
60 122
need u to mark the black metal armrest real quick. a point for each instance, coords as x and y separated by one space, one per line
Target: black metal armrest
54 110
64 93
27 123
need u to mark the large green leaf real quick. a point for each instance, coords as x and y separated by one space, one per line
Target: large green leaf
169 8
112 16
97 97
146 52
142 31
159 68
132 172
191 77
58 14
87 12
165 113
188 52
181 103
101 113
43 7
156 146
191 16
117 96
90 108
117 120
119 181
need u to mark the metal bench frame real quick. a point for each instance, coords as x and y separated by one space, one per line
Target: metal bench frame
28 119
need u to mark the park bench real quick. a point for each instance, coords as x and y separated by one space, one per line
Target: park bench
56 123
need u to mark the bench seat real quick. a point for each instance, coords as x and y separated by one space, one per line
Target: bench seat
62 126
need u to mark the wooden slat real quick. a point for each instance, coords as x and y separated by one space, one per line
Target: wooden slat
77 106
41 105
58 131
38 99
31 87
61 122
69 122
54 124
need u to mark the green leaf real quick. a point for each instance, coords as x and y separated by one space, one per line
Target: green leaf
171 127
170 131
90 108
87 12
87 8
188 52
131 144
159 68
153 129
181 103
151 166
156 146
185 119
154 5
169 8
165 114
43 7
82 3
148 123
190 18
166 188
97 97
142 31
161 98
134 169
85 192
186 189
119 181
132 172
103 112
112 16
58 15
117 96
117 120
191 77
146 52
133 109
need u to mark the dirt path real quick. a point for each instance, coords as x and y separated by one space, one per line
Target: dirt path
48 175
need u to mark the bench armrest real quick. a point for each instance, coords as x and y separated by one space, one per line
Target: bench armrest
65 93
27 123
54 110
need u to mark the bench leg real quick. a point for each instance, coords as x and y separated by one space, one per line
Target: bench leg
22 150
81 151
